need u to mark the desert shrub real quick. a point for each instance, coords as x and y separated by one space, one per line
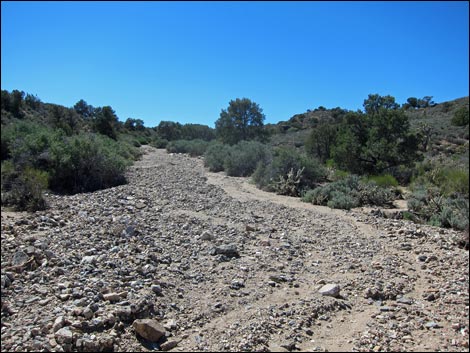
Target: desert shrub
25 141
244 158
289 184
338 174
288 172
88 162
429 205
348 193
402 174
385 180
322 195
453 180
307 196
448 177
372 194
460 117
195 147
23 189
143 140
342 201
215 156
159 143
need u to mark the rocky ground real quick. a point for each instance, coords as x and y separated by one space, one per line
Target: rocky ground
221 266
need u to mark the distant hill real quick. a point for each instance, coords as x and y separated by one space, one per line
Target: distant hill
445 138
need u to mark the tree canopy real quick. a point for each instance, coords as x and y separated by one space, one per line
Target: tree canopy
242 120
376 141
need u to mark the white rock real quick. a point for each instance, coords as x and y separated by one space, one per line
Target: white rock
330 289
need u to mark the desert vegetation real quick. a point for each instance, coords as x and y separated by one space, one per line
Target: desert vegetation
332 157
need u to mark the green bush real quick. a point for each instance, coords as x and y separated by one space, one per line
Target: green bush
322 195
244 158
308 195
460 117
348 193
453 180
159 143
342 201
215 156
372 194
429 205
88 162
288 172
195 147
289 184
339 174
448 177
384 181
23 189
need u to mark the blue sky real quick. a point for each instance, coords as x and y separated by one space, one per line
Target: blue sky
184 61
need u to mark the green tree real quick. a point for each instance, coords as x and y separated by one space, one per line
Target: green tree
413 102
375 142
425 133
84 109
169 130
425 102
243 120
6 100
134 124
320 141
32 101
197 131
351 137
374 103
105 121
16 101
460 117
64 118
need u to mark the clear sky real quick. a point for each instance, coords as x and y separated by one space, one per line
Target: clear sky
184 61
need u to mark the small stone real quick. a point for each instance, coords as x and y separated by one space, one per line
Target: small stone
290 346
64 335
249 228
58 323
64 297
422 258
19 258
87 313
168 345
6 282
88 260
331 290
129 231
112 297
432 324
207 236
149 329
406 246
229 250
404 300
170 325
157 289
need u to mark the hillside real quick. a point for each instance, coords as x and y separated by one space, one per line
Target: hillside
445 139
